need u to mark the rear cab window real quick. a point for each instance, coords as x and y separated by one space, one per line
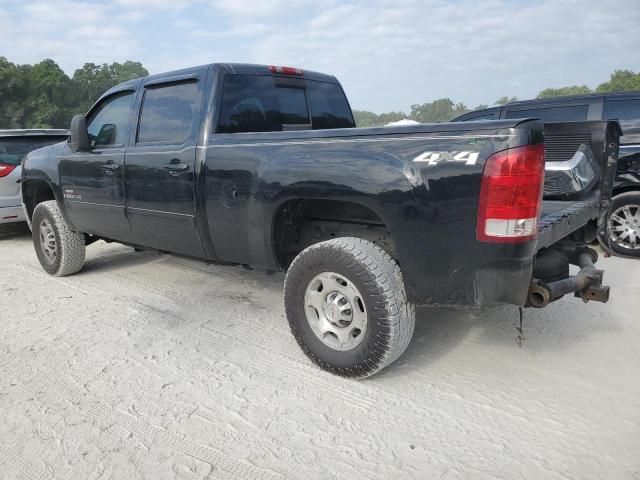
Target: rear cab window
566 113
627 112
265 103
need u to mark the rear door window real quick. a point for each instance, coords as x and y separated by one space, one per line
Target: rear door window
168 113
569 113
627 112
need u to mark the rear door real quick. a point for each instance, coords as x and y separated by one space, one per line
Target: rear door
93 182
160 165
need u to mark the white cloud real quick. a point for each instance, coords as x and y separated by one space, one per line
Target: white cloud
388 54
158 4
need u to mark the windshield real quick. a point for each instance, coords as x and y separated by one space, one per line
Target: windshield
12 150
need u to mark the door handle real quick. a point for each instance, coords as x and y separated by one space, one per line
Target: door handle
176 168
110 168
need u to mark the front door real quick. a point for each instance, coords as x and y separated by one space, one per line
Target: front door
160 167
93 182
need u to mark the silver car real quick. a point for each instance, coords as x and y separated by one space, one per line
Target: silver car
14 145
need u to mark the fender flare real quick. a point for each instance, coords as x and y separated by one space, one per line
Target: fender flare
57 196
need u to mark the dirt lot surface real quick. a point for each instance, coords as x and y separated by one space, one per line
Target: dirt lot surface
147 366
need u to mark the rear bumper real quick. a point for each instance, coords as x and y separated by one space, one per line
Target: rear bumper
503 282
12 214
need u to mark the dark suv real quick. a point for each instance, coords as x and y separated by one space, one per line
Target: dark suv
622 233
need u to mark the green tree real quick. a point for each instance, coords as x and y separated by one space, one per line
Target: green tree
93 80
440 110
621 81
504 100
42 95
564 91
365 118
50 95
13 92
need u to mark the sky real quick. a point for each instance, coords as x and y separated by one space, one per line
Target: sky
388 54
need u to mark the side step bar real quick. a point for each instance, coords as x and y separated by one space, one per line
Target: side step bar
587 284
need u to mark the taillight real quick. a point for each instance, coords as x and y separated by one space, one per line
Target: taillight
511 195
6 169
285 70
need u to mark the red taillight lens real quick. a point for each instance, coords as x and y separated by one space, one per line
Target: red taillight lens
285 70
6 169
511 195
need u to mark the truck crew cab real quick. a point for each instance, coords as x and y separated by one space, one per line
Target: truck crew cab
262 166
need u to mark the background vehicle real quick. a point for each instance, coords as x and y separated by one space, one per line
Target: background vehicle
14 145
621 230
258 165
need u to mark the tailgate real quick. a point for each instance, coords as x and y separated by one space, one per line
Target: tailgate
580 167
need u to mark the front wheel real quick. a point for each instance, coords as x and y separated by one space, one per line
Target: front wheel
623 224
60 250
347 308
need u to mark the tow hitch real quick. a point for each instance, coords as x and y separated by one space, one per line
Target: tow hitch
586 284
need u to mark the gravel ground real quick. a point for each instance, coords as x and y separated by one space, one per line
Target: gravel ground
146 366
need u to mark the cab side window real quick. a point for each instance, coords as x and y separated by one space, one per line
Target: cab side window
627 112
168 113
483 117
108 125
568 113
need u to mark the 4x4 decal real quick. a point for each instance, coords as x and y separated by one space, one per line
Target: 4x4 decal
433 158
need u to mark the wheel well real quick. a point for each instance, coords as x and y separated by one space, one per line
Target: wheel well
35 192
303 222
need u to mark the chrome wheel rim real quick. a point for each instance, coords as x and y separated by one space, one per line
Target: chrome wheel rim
48 241
335 311
624 226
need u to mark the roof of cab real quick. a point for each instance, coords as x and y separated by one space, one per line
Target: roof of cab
255 69
240 68
573 98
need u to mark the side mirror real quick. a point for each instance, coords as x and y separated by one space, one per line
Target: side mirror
79 134
106 135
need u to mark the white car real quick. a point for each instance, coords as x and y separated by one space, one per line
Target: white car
14 145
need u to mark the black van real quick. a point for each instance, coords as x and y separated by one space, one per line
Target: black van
623 224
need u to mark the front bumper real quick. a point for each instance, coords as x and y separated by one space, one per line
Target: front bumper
12 214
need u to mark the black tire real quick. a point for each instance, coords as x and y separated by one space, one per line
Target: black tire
69 247
390 318
632 201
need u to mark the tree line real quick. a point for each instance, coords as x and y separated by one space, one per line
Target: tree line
43 96
445 109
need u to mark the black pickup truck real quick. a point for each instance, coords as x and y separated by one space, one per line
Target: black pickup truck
262 166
